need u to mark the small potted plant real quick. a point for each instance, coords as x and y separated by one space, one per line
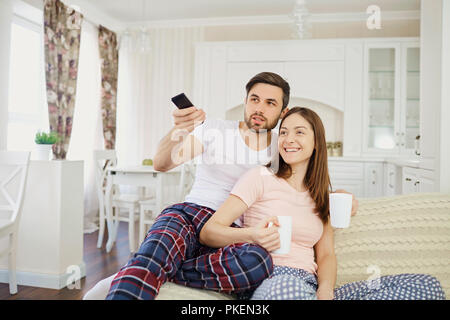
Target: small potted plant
44 142
147 162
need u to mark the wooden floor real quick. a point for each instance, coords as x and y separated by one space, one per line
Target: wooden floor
99 265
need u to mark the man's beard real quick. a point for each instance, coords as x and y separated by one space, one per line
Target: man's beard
265 127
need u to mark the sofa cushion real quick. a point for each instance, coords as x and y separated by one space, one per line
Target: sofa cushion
393 235
173 291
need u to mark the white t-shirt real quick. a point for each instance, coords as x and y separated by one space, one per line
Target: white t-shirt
224 160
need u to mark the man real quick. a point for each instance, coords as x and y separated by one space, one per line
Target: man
224 150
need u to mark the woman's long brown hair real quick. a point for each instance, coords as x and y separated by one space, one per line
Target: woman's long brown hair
316 180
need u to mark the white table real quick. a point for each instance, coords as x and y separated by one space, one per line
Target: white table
139 176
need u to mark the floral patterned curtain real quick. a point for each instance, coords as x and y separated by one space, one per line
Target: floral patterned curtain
62 30
109 59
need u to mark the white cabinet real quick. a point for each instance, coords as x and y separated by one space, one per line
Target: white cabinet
363 179
347 175
353 111
315 69
391 97
321 81
409 181
392 179
417 180
50 237
410 99
426 181
368 179
373 180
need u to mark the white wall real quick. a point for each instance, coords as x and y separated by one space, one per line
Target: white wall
435 84
444 144
89 11
6 11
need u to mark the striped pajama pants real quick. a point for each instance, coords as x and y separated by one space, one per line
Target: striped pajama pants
296 284
171 252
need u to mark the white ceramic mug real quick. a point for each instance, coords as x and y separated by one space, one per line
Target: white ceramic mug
340 209
285 231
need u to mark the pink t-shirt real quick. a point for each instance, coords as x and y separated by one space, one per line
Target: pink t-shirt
267 195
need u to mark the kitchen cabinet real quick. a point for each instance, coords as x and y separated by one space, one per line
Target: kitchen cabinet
373 180
417 180
315 69
391 98
347 175
410 103
304 77
392 179
363 179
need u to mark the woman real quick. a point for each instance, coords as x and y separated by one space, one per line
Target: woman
297 184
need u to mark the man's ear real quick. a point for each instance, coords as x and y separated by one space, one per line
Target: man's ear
284 112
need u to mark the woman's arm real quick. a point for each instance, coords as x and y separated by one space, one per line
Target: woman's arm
217 232
327 264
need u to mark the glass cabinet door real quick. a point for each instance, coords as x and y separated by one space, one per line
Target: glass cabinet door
381 107
412 110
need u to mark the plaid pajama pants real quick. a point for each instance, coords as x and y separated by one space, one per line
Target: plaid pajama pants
171 251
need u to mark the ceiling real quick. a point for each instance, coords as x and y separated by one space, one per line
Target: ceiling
130 11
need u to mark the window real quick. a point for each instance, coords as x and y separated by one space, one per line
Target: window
27 108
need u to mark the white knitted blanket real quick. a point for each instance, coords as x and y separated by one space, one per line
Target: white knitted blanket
393 235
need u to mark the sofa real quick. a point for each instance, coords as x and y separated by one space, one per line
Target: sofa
389 235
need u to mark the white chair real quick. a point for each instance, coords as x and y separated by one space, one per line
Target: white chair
129 202
13 176
148 210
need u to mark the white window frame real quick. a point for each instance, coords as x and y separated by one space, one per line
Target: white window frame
38 118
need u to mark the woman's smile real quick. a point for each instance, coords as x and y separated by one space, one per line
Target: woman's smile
290 149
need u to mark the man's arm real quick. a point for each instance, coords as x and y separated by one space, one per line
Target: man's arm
178 146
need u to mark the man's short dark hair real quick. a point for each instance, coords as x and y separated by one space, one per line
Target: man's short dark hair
274 80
